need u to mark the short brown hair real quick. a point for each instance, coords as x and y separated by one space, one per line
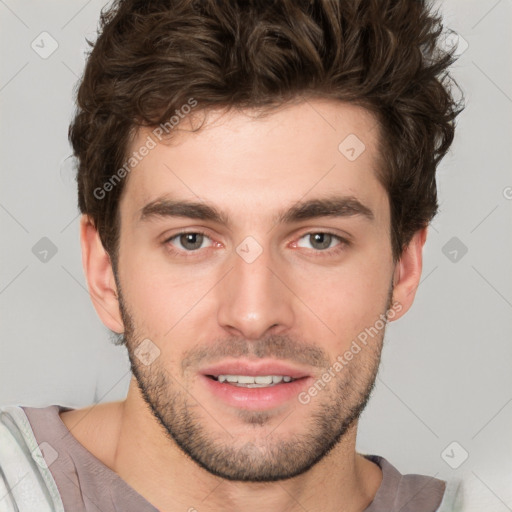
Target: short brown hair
151 57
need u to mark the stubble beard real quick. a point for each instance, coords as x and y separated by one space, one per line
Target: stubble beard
261 458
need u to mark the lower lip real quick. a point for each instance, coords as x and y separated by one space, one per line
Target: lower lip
256 398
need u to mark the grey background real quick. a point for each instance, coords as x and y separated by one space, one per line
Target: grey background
446 369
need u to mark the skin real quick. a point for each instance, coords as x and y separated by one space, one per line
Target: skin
295 302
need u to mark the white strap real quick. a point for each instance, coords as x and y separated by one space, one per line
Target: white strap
452 498
26 483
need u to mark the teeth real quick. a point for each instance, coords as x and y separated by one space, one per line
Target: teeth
244 379
260 379
254 382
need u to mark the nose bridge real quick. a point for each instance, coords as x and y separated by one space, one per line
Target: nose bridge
253 299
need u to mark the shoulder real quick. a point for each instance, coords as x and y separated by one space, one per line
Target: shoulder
406 492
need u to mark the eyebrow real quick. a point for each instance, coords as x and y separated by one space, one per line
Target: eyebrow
334 206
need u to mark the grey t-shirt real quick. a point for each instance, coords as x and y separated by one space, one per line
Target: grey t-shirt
87 485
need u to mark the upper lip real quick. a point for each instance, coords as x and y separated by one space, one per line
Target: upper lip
254 369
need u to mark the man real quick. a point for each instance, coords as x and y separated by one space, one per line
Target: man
256 180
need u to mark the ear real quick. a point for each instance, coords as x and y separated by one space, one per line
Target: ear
407 274
100 276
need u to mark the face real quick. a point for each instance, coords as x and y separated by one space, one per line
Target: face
257 248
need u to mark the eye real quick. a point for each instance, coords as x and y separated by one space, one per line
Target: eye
320 241
191 241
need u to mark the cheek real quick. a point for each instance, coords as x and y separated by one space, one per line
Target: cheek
163 299
347 300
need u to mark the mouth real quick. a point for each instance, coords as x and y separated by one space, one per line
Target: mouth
247 372
249 381
255 385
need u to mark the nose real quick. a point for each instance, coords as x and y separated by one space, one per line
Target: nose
254 298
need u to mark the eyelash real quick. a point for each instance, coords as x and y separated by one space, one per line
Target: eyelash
343 243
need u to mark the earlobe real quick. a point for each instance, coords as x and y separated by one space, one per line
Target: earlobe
100 276
407 273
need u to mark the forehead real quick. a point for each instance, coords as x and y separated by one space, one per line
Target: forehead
251 165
